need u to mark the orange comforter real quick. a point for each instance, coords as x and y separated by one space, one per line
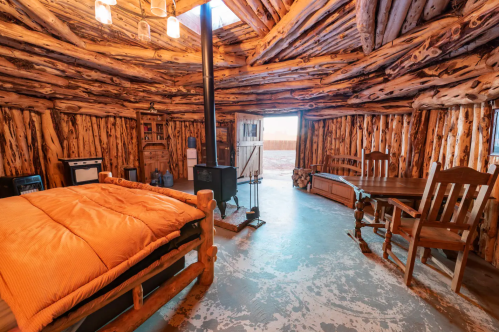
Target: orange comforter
60 246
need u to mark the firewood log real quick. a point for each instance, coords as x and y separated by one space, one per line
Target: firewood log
398 13
366 16
382 20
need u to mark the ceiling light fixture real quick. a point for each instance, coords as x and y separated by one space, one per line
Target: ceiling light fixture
103 12
144 29
158 8
172 24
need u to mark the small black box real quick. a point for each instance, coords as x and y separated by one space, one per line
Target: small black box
20 185
221 179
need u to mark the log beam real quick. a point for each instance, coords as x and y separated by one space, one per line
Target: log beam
52 22
442 42
93 59
366 16
164 56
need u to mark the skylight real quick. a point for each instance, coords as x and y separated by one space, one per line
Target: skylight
221 16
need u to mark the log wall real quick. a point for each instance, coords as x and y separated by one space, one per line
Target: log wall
31 142
457 136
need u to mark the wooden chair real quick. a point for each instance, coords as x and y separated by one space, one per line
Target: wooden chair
429 230
375 164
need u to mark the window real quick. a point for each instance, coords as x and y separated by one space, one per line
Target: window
250 130
221 16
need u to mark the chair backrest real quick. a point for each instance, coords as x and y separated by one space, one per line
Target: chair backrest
334 163
463 183
375 164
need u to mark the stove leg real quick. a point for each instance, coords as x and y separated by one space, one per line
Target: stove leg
237 201
222 206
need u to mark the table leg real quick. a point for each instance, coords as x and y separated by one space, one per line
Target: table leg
356 234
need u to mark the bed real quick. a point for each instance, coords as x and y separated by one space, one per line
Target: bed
69 253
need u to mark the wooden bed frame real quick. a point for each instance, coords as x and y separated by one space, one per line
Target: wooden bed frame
131 319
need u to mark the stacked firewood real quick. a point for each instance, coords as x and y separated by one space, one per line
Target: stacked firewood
301 177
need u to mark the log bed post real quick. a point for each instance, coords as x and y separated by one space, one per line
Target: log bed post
104 175
207 252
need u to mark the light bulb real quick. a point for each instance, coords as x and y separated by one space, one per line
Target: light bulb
103 12
144 31
173 27
158 8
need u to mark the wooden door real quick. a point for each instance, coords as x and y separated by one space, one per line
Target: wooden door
249 145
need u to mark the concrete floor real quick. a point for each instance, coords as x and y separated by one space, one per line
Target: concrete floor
301 272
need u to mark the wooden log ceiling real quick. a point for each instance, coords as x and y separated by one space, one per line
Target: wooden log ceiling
327 58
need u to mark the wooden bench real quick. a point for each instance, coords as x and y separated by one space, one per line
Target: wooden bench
326 178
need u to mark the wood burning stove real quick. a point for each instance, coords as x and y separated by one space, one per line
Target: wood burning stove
221 179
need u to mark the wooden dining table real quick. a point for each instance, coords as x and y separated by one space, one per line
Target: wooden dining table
366 188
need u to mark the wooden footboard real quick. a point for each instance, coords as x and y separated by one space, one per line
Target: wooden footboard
203 269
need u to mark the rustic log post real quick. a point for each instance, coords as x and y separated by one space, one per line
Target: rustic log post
111 139
106 163
484 137
320 143
298 139
376 134
342 142
398 13
445 135
437 140
366 17
382 20
20 132
315 142
2 171
430 141
418 144
463 136
11 159
382 132
474 146
32 124
389 130
368 133
360 131
405 145
396 146
52 152
207 252
303 142
353 141
451 138
95 132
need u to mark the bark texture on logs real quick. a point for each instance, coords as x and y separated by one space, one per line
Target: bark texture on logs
450 39
366 18
389 53
398 13
431 137
483 88
396 148
405 146
452 136
463 137
384 7
484 136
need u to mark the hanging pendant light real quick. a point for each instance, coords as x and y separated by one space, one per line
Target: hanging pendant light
109 2
158 8
173 27
103 12
144 31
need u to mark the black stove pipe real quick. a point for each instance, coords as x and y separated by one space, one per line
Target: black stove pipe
208 86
